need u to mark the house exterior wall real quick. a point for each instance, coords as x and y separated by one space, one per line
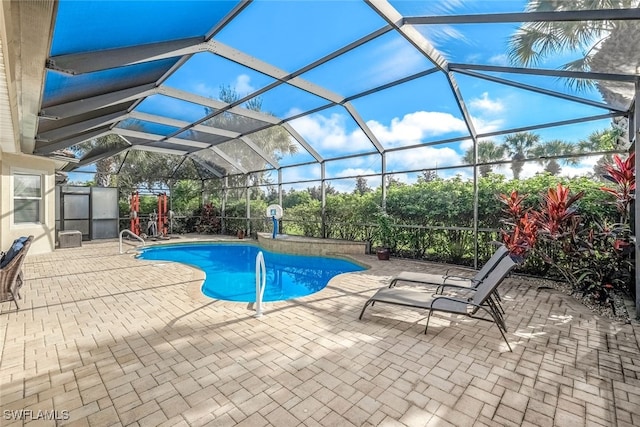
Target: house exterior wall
43 232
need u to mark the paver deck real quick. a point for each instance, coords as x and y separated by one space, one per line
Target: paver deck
106 339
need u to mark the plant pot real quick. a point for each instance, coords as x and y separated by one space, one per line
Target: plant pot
383 254
240 234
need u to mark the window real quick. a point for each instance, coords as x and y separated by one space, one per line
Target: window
27 198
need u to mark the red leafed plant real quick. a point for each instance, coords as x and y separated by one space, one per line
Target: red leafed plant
558 217
622 174
513 209
522 238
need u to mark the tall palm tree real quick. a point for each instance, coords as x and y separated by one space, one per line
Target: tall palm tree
488 151
275 140
609 45
598 141
547 152
518 147
105 167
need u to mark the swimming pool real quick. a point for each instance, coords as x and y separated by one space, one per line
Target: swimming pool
231 276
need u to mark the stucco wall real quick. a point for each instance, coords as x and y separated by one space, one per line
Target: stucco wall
44 233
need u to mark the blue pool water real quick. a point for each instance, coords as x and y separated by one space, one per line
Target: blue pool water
231 270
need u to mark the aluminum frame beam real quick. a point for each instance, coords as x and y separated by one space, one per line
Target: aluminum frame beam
44 148
540 90
589 75
204 165
76 128
360 122
634 129
95 158
80 106
87 62
213 103
555 16
267 158
396 20
144 147
302 142
232 162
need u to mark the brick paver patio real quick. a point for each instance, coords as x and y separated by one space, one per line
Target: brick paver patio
106 339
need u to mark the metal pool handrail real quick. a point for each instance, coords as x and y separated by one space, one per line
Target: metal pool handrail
261 282
132 234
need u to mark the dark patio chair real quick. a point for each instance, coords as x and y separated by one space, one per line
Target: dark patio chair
11 276
480 299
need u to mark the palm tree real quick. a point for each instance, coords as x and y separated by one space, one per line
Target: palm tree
488 151
518 146
274 141
105 167
549 150
609 45
598 141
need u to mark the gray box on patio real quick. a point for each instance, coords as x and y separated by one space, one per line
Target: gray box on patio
70 239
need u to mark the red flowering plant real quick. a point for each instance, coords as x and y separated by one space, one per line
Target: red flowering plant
521 239
622 173
559 225
607 264
519 234
208 221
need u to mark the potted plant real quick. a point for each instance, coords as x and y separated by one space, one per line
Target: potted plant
240 234
384 235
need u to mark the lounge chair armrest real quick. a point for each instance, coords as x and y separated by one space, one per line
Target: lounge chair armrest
455 277
460 281
469 286
437 298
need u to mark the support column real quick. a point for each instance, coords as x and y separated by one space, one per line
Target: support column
223 207
248 207
634 132
475 203
323 192
280 198
383 184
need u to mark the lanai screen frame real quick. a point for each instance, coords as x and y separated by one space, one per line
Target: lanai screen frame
84 124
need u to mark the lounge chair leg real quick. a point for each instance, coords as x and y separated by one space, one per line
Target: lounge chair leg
15 300
499 328
427 326
364 308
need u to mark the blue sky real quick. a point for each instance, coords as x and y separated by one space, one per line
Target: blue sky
292 34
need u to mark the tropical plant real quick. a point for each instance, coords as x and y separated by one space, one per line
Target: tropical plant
592 40
518 147
384 234
103 150
604 263
622 174
274 141
208 221
548 154
558 217
488 151
521 239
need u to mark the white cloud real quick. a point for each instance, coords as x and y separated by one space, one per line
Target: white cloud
422 158
414 127
487 106
501 59
243 85
329 133
205 90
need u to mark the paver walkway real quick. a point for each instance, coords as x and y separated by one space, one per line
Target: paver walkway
106 339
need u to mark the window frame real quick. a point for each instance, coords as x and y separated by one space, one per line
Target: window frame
14 197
